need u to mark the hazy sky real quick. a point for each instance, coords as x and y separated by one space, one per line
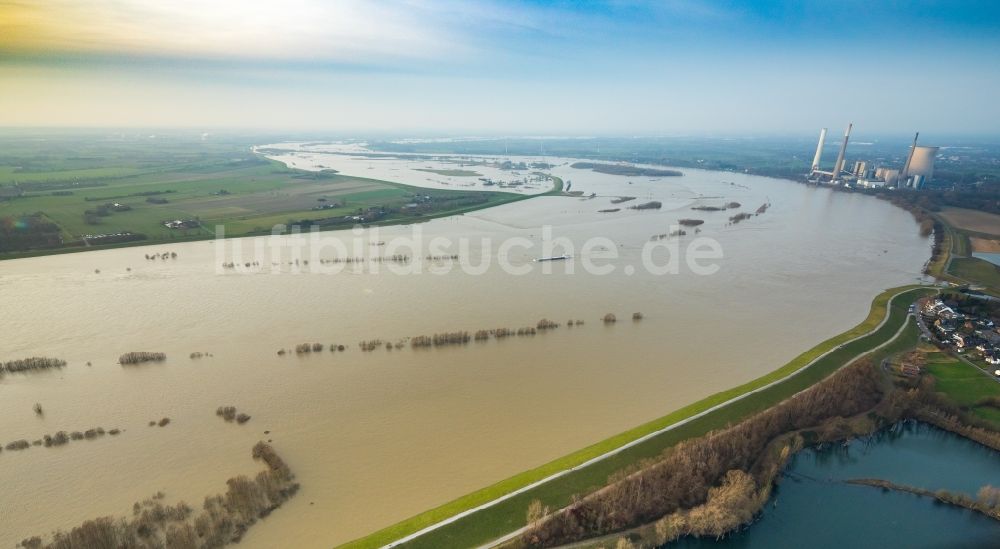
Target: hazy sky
482 67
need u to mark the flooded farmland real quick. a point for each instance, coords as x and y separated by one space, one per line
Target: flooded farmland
375 437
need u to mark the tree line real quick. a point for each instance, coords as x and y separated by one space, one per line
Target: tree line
716 481
223 519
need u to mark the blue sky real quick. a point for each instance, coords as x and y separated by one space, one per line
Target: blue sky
487 67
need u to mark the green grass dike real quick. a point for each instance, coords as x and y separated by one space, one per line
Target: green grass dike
716 411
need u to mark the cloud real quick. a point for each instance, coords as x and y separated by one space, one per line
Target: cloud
381 32
344 30
541 66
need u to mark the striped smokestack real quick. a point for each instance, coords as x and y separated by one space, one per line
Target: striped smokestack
839 166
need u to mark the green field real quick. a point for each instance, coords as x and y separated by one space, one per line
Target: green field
509 515
976 271
958 266
964 384
74 182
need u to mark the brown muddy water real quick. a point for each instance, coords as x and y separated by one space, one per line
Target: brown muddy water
377 437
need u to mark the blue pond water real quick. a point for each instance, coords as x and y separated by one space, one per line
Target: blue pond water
993 258
813 508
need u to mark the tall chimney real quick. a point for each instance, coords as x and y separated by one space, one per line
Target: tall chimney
819 149
839 166
906 167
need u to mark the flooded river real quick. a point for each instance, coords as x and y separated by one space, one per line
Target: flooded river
377 437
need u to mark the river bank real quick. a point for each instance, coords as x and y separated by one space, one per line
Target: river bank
886 317
738 500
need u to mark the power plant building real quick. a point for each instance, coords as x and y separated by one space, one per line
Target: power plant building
917 170
860 169
921 168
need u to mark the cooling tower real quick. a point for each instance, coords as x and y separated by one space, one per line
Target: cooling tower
891 178
819 149
922 162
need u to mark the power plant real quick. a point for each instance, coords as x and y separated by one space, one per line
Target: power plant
819 150
838 166
917 170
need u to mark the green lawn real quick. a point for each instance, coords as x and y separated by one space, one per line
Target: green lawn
963 267
988 413
509 515
964 384
976 271
8 174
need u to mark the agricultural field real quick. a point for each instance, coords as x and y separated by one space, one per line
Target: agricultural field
976 270
972 220
964 384
77 191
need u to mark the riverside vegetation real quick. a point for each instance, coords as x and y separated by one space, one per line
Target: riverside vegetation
442 339
714 484
727 206
60 438
652 205
223 519
230 414
987 500
30 364
625 169
140 357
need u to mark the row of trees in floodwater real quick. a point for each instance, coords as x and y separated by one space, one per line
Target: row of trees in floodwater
690 222
394 258
727 206
140 357
743 216
306 348
161 256
463 337
987 500
671 234
437 340
223 518
370 345
60 438
230 414
652 205
442 339
31 363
